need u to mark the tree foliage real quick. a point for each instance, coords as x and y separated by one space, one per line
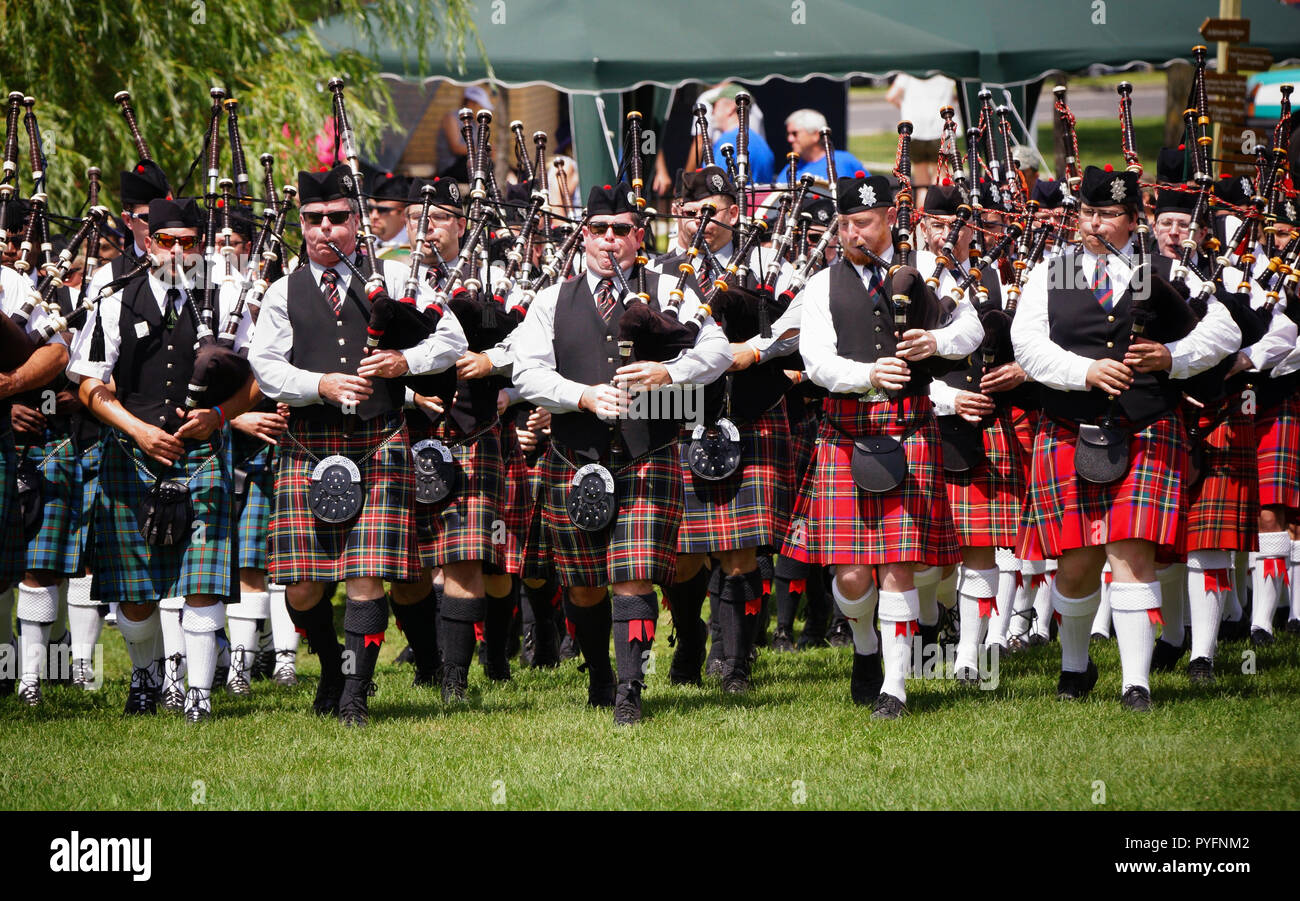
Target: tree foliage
72 56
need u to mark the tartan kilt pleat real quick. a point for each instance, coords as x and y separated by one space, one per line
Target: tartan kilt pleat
56 546
1223 508
986 501
841 524
518 498
13 550
537 563
1277 431
90 500
466 527
130 570
380 542
641 542
804 421
751 508
1148 503
257 459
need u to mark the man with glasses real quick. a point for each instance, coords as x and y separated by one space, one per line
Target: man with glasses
308 352
567 361
136 387
1071 334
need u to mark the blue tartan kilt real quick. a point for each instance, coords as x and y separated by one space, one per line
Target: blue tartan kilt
257 459
12 548
89 460
133 571
56 546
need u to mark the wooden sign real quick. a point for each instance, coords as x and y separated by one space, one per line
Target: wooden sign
1234 31
1232 136
1227 110
1225 85
1249 59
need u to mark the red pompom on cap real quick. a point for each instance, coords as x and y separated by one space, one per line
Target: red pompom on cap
140 167
1182 146
859 174
609 187
1109 168
947 182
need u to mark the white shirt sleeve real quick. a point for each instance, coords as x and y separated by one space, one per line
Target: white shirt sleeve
535 375
79 363
1214 337
944 398
1279 341
1043 360
268 353
446 345
817 343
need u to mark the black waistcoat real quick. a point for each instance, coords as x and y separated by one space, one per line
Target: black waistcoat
864 330
121 265
586 351
323 342
1077 323
154 365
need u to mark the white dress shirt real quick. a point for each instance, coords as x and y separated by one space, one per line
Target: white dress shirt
534 348
1046 362
283 382
15 289
1279 342
110 308
817 338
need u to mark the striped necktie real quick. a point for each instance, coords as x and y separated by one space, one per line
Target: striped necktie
329 283
605 298
1102 288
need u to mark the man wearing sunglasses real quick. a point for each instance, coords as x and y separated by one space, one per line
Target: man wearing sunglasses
567 361
136 386
308 352
386 207
1072 335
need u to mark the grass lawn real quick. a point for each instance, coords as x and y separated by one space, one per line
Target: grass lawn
795 741
1098 143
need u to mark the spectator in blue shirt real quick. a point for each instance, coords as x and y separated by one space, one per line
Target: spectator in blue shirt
803 131
761 159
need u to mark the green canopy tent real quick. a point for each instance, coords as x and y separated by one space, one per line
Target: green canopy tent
593 52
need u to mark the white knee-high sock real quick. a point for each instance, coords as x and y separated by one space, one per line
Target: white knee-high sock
997 634
84 620
59 628
1076 620
1207 578
283 633
173 642
1019 625
1267 582
897 609
1173 591
978 596
1294 597
926 582
243 618
142 639
861 614
1130 603
201 625
1234 601
37 610
947 593
1101 621
1043 606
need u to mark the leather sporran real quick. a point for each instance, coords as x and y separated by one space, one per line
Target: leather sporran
592 499
1101 454
31 497
336 494
167 512
437 474
879 463
715 451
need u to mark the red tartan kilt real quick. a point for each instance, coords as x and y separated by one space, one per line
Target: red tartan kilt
380 542
841 524
536 554
1223 508
1277 432
804 421
1148 503
986 502
752 507
641 543
466 527
1026 426
519 498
